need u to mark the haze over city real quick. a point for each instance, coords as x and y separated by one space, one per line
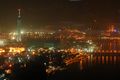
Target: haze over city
59 39
41 13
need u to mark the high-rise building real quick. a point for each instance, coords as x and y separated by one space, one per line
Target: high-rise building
19 24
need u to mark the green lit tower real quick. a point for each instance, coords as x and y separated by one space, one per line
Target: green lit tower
19 24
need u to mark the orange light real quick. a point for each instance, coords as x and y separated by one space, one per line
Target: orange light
33 53
16 49
10 65
8 71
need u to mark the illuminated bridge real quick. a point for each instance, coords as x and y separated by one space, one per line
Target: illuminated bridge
108 45
103 59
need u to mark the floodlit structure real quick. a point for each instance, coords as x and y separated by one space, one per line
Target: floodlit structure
19 24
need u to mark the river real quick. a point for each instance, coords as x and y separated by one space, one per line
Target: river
95 67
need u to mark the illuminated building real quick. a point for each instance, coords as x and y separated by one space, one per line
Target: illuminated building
19 22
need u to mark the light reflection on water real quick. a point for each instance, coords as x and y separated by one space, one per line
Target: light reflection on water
94 67
104 60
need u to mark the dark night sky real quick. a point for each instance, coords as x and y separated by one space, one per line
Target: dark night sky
47 12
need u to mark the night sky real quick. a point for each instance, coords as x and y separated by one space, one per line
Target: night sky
37 13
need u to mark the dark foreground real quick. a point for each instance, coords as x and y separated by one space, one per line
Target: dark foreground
100 68
94 73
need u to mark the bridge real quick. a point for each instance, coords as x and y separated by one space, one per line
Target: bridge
108 45
106 51
104 59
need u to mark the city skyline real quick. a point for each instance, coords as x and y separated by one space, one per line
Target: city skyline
39 13
59 39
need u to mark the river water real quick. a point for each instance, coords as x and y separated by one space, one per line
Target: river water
95 67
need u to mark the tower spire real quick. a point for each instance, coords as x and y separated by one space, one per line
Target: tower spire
19 24
19 13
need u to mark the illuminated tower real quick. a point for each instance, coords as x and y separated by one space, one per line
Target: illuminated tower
19 24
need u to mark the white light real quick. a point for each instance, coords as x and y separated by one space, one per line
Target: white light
14 33
13 38
51 48
22 32
29 50
1 42
19 59
2 75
